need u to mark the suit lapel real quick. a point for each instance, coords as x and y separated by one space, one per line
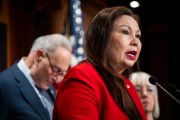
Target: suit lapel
29 93
135 97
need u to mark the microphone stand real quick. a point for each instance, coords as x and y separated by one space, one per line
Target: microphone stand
168 93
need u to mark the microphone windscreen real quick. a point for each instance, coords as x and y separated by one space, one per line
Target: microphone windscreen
153 80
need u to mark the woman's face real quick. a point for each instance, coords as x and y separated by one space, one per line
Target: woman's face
147 95
124 45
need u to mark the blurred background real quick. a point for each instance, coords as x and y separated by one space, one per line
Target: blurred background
21 21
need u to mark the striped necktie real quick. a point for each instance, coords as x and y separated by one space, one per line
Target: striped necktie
47 101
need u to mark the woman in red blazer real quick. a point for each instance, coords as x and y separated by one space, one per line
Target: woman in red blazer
98 88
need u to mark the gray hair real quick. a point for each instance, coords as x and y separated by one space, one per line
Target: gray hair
49 43
142 78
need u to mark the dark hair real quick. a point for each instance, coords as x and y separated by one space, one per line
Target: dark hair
96 39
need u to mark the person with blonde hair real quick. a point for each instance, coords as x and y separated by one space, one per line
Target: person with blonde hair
148 94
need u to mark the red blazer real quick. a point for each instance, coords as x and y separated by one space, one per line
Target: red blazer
83 95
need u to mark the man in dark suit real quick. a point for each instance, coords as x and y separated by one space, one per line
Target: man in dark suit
26 91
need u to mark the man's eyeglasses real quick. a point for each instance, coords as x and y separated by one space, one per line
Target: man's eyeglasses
55 71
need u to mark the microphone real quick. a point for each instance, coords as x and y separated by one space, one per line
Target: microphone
154 81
